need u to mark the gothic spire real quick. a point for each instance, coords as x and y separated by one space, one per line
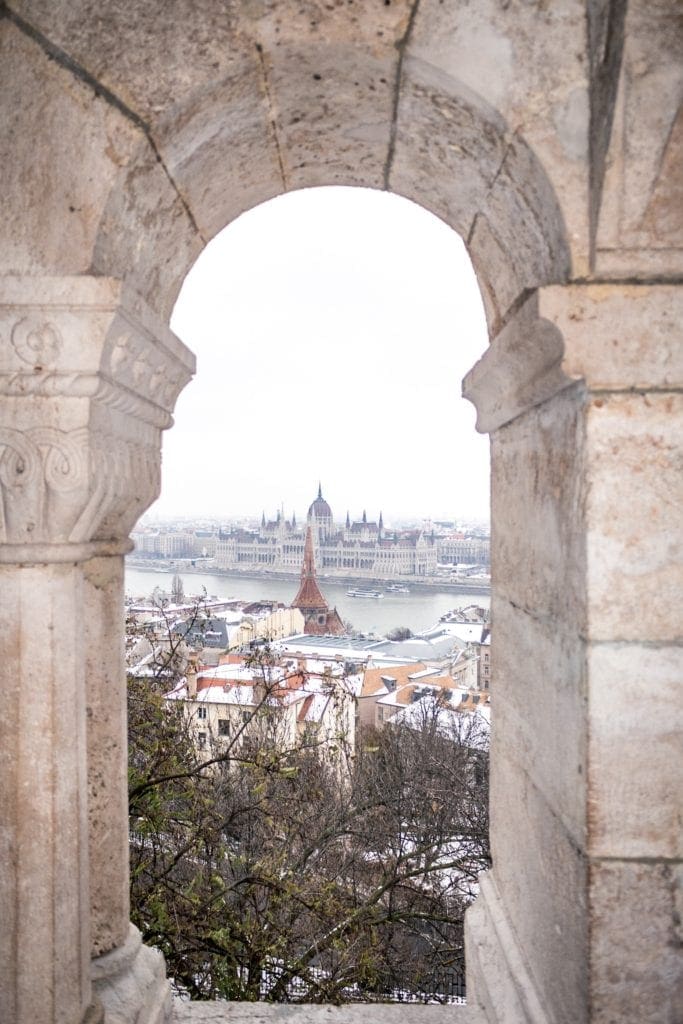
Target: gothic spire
308 567
309 596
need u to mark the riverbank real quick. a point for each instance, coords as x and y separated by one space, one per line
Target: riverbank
464 585
419 609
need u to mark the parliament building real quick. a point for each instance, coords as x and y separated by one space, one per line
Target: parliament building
359 548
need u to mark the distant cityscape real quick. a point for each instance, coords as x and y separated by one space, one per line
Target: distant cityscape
445 668
432 550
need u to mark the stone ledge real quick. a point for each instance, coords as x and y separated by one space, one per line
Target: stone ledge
357 1013
503 989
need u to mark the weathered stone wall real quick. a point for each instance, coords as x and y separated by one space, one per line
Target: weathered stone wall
549 136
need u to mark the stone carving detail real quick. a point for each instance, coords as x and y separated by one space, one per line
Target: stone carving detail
132 371
137 364
101 373
126 479
36 342
73 486
48 384
51 384
64 458
38 465
133 405
42 451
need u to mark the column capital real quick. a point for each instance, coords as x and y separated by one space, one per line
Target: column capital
89 376
521 368
612 337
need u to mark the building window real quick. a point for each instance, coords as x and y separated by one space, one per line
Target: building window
201 713
223 727
201 740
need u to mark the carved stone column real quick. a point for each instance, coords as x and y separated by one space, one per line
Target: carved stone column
581 393
88 379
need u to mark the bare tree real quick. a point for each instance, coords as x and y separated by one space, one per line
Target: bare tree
262 873
177 590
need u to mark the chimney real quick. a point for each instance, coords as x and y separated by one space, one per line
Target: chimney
191 677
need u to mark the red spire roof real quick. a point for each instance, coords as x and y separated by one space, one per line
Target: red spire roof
309 595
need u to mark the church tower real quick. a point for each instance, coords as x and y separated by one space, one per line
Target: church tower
319 618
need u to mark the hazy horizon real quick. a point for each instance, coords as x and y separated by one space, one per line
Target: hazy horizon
153 516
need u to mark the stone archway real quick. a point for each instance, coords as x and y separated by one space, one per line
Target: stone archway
131 137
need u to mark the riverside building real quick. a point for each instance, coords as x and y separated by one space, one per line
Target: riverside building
361 548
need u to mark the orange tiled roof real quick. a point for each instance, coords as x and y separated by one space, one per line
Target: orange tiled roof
372 681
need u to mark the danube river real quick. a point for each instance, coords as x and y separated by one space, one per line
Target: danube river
418 610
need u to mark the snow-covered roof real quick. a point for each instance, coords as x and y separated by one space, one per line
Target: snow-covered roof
471 728
243 695
413 691
468 632
242 673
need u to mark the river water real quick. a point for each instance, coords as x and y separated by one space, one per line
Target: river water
417 610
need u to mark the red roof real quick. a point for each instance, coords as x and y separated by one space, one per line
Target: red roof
309 595
332 625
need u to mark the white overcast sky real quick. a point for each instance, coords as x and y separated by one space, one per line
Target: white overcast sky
332 328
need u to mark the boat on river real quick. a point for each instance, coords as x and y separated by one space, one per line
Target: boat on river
397 588
364 592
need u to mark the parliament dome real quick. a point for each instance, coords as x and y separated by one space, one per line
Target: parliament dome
319 508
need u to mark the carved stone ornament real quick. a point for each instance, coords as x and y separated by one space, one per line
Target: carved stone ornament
88 378
36 342
72 487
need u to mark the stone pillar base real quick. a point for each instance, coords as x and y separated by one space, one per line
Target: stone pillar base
131 984
499 983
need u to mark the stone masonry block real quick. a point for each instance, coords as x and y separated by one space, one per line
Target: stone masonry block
512 58
540 708
331 111
634 523
537 490
635 720
619 336
636 943
541 876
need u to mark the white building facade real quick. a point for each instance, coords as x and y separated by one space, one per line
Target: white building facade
359 548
